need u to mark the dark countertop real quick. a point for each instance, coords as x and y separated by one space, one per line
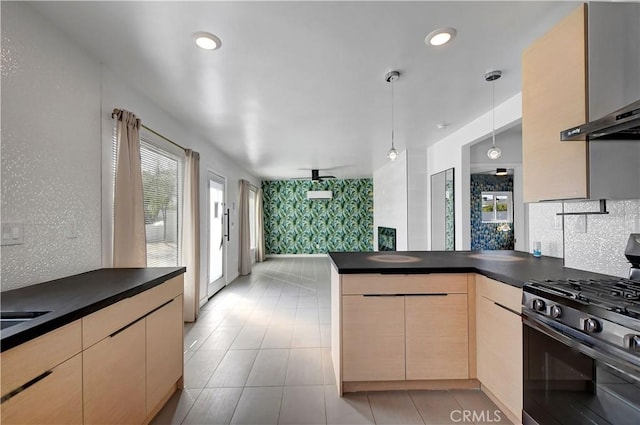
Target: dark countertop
70 298
511 267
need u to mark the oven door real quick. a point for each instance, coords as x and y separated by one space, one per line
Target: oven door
569 379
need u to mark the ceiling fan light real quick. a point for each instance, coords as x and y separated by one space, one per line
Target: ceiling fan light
494 153
392 154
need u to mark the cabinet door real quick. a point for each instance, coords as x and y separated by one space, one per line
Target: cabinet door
114 378
437 337
499 351
554 98
55 398
164 351
372 338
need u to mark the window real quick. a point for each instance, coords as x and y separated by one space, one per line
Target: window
497 207
162 199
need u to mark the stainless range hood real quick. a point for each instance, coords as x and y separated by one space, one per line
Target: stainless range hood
623 124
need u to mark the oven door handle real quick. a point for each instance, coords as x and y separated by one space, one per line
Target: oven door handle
580 341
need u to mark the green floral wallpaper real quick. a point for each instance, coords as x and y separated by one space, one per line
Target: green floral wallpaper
295 225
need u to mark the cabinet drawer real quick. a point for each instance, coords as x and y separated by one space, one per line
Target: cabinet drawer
502 293
31 359
55 399
446 283
104 322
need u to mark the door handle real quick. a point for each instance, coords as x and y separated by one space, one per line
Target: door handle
227 220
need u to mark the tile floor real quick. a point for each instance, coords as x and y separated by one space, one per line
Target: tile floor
259 354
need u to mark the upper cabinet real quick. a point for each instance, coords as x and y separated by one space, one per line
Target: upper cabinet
585 67
554 97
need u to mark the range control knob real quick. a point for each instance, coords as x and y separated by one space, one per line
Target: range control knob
555 311
634 342
538 305
591 325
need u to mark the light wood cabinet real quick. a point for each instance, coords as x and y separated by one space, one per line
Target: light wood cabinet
114 378
54 398
499 344
373 338
437 338
554 98
118 365
399 328
133 357
164 345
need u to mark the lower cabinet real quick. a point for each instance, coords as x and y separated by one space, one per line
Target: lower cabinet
164 346
54 398
373 338
114 378
437 336
404 327
499 342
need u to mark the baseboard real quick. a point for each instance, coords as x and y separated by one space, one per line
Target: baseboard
443 384
296 255
516 419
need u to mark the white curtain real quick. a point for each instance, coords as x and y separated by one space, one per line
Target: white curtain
260 254
244 263
129 240
190 253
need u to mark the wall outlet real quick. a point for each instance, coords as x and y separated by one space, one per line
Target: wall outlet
12 234
557 222
580 225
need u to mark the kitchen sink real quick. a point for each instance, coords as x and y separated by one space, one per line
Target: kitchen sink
12 318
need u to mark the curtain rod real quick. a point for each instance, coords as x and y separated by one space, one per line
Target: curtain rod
117 110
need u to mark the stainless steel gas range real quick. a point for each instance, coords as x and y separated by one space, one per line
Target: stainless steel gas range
582 350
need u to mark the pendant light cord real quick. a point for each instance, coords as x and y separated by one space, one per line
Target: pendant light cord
493 112
392 117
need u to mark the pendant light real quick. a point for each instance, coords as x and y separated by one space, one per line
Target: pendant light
493 152
390 77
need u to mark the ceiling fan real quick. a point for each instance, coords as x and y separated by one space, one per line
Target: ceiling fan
316 177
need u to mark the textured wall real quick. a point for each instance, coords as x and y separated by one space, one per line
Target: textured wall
486 235
296 225
599 247
50 151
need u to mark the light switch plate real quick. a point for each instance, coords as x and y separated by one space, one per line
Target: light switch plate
12 234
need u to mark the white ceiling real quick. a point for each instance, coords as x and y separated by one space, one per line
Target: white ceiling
299 85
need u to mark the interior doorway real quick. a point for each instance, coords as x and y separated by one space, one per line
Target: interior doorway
218 234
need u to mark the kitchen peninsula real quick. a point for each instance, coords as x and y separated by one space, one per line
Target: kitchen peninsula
434 320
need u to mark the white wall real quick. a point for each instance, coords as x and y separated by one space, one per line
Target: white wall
417 183
454 152
390 200
50 151
56 136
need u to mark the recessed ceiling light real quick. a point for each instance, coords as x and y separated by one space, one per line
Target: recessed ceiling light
206 40
440 36
442 125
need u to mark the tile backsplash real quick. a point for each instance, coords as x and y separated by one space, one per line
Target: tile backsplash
591 242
